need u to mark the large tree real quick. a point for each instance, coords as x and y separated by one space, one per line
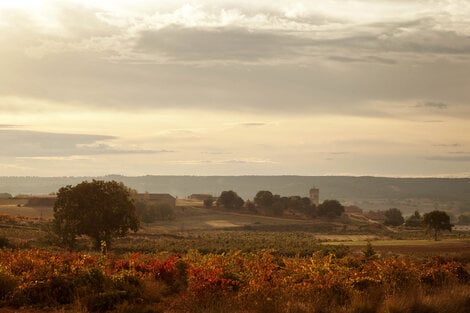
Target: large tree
437 221
99 209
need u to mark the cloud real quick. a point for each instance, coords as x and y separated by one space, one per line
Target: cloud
253 124
246 57
451 145
434 105
27 144
339 153
216 152
365 59
245 32
374 42
218 44
220 162
433 121
450 158
247 161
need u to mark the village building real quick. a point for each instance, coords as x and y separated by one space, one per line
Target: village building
157 198
315 196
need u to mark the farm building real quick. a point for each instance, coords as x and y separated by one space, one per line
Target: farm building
157 198
352 209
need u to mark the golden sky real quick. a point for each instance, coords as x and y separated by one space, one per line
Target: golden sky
327 87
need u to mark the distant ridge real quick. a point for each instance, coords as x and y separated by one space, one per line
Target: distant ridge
369 192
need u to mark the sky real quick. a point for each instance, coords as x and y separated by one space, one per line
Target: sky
331 87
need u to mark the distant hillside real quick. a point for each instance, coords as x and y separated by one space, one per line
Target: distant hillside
408 194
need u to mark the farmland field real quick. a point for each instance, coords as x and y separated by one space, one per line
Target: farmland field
212 260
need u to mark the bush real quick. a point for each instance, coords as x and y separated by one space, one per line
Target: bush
208 202
369 251
230 200
105 301
8 284
415 220
330 209
4 242
393 217
94 278
61 289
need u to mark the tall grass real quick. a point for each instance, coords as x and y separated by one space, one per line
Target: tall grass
233 282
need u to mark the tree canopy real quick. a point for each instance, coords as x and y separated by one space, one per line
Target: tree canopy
437 221
464 219
230 200
263 198
99 209
393 217
151 212
330 208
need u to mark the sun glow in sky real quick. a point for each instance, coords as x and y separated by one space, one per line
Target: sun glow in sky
235 87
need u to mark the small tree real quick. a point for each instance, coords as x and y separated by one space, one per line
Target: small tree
393 217
464 219
208 202
101 210
330 209
279 205
368 251
437 221
251 206
230 200
264 199
145 212
415 220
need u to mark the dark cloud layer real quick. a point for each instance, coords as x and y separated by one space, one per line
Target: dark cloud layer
24 143
212 44
420 37
325 65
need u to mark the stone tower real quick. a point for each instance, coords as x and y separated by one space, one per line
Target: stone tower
315 196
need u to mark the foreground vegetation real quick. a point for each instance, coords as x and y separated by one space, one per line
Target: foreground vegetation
234 282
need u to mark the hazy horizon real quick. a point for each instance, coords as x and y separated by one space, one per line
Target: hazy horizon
235 88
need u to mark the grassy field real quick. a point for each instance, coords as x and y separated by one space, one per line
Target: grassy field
18 207
219 231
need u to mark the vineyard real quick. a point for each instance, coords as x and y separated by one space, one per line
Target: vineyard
234 282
